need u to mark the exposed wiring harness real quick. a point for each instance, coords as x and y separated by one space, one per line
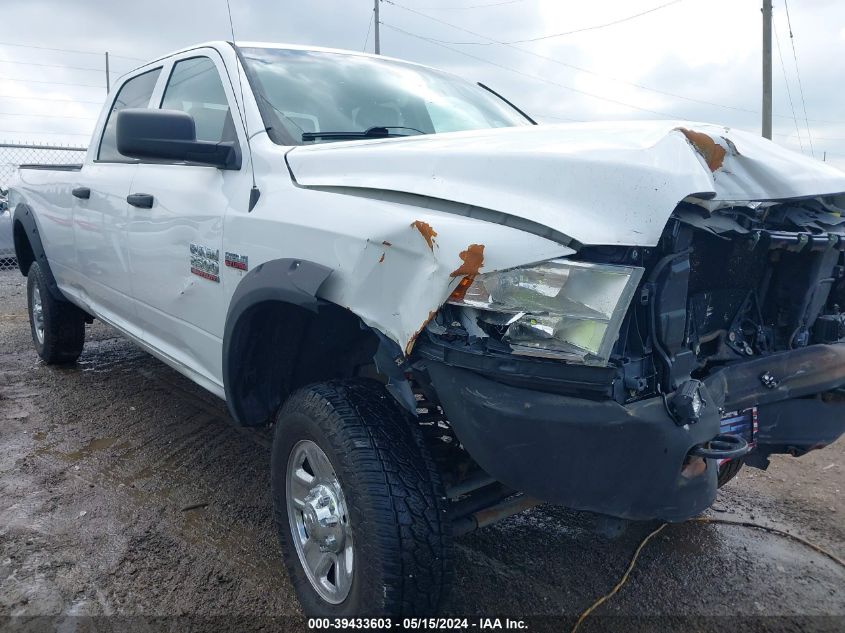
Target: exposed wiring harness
645 541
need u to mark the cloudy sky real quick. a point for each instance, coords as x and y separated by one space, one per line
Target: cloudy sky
560 60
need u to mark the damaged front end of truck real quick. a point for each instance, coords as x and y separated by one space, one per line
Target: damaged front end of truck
618 379
729 346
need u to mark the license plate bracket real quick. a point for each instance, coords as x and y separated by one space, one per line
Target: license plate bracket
741 423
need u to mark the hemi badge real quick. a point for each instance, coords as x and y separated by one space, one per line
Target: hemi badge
240 262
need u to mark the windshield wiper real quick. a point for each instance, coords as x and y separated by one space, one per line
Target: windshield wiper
373 132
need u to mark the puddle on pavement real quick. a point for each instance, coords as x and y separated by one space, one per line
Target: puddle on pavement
89 449
107 355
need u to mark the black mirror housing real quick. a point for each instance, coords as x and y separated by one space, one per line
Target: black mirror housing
170 135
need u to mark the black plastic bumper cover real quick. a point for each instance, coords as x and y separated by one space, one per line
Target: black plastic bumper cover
599 456
625 461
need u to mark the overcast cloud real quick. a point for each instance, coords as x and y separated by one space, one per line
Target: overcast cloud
676 62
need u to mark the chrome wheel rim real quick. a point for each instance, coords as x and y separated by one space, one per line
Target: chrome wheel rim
37 315
319 521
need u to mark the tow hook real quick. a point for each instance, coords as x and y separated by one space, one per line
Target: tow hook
723 446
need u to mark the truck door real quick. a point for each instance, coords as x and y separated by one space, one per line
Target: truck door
100 214
175 229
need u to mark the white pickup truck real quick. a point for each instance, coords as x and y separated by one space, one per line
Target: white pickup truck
449 312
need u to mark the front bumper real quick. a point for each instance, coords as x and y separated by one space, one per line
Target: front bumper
626 461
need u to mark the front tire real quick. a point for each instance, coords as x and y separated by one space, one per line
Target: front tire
58 327
358 503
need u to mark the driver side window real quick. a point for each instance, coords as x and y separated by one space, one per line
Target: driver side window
195 87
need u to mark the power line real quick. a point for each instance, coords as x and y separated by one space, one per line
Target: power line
369 28
53 83
474 6
788 91
99 103
53 131
95 70
819 138
530 76
599 26
798 74
37 132
49 116
581 30
562 63
68 50
444 44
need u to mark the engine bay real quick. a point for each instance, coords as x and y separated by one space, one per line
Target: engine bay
739 283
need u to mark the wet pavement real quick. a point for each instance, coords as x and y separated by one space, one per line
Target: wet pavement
125 490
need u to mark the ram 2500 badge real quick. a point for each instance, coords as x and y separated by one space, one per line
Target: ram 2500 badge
449 313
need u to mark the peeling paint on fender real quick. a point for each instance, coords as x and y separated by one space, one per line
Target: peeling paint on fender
426 231
473 260
713 153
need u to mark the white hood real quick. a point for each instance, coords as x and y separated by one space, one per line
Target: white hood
597 183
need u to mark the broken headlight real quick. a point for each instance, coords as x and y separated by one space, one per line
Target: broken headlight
559 308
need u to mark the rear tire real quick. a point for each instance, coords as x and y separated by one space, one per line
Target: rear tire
58 327
729 470
382 484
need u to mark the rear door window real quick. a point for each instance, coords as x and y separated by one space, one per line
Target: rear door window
135 93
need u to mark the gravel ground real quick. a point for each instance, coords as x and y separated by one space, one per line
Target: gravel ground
100 462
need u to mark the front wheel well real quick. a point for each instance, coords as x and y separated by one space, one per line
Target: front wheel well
277 347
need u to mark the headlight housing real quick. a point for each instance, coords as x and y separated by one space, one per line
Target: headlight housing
559 308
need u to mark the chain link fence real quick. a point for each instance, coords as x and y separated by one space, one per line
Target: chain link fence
11 157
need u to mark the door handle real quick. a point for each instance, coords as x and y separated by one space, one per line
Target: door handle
140 200
81 192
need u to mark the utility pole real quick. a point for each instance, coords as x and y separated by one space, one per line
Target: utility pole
767 69
375 18
108 80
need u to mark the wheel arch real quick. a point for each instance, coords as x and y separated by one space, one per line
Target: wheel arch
30 249
280 336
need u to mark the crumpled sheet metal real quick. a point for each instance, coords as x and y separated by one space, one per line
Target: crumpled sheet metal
398 288
598 183
393 263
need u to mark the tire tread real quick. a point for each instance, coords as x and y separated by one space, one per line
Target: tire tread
394 471
64 323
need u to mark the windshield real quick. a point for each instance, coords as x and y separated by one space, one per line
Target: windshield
305 92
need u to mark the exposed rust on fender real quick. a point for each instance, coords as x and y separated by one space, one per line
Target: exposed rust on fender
410 345
426 231
473 258
386 243
381 259
713 153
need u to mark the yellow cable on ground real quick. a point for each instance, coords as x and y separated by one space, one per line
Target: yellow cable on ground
773 530
645 541
624 579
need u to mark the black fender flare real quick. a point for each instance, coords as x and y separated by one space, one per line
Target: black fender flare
25 216
291 281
